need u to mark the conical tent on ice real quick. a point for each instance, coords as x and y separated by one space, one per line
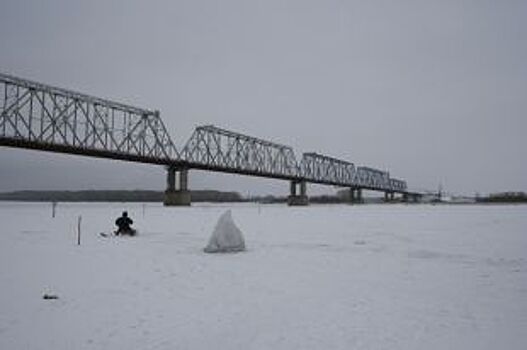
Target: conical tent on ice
226 236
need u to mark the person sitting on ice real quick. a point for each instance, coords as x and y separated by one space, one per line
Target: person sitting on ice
123 223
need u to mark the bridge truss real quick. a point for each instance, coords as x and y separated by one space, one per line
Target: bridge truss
39 116
323 169
332 171
213 148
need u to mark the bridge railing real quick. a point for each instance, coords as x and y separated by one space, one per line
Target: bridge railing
45 117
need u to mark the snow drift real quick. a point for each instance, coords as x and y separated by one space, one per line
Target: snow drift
226 236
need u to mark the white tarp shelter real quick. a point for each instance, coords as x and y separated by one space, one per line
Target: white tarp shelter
226 236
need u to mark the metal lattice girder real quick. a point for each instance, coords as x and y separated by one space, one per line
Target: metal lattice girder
373 178
398 185
218 149
39 116
327 170
323 169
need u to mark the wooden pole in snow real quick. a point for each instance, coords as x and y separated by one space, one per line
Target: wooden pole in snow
79 230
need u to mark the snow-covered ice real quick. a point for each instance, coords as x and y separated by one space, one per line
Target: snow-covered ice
317 277
226 237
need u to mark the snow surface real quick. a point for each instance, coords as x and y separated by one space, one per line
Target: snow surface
317 277
226 237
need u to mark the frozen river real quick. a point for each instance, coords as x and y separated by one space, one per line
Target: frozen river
318 277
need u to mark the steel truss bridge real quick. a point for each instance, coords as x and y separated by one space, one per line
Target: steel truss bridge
42 117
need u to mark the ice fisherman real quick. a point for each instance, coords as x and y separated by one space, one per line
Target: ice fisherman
123 223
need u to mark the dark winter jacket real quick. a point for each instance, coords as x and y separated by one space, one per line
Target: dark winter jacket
124 223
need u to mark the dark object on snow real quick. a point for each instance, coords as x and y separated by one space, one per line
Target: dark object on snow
50 297
124 223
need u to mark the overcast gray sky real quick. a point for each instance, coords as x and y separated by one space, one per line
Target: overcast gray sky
433 91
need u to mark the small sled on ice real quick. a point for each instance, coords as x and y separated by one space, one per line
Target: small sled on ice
132 232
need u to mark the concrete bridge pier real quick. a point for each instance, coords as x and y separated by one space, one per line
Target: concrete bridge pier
389 197
414 197
301 198
355 195
177 193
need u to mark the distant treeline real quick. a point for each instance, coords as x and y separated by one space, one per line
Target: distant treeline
147 196
322 199
114 196
205 196
504 197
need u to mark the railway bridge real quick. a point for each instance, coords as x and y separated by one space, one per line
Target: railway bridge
47 118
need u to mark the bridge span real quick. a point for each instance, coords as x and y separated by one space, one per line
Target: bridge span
42 117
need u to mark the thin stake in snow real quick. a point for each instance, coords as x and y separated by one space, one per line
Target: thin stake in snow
79 230
53 207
